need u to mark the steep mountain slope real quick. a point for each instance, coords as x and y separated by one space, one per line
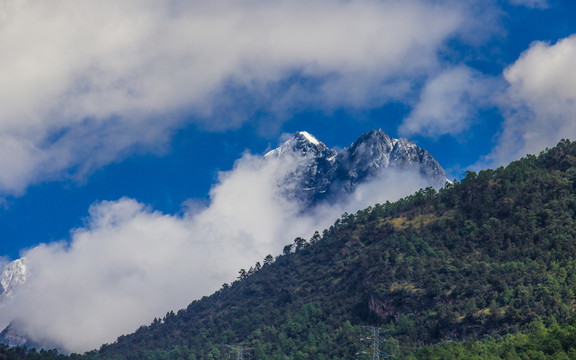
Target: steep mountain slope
486 256
12 336
315 175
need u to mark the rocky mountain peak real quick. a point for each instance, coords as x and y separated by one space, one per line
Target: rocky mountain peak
325 174
301 144
13 275
367 154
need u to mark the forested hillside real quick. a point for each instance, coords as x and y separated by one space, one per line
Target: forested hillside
494 254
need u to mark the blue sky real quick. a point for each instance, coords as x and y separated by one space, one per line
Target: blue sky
146 106
45 198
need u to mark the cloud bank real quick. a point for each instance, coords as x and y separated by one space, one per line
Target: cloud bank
449 102
130 263
540 102
85 83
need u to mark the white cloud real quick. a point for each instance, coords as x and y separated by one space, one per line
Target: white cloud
538 4
85 83
130 264
540 102
449 102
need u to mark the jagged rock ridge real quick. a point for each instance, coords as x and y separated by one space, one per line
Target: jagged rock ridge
323 174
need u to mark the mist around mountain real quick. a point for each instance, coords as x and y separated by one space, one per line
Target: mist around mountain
484 268
130 263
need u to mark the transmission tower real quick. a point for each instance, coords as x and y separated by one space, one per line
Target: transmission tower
240 351
375 348
375 341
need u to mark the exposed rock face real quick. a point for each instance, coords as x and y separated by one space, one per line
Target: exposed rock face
14 275
324 174
309 181
12 335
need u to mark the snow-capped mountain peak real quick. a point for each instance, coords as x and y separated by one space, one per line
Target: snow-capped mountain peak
301 144
14 275
322 173
309 137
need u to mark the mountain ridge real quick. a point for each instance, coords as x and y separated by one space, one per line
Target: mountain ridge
320 174
324 174
486 256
